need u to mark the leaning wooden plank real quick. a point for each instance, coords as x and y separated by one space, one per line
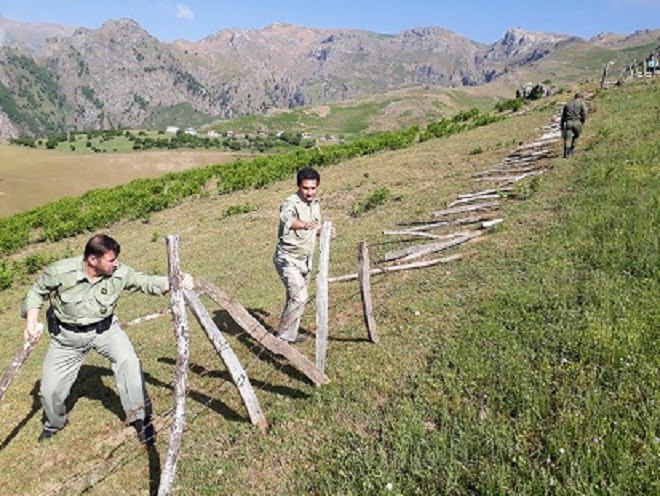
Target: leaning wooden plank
513 160
468 208
458 222
396 268
511 179
538 143
462 201
424 234
491 223
365 290
322 296
413 252
181 372
19 359
254 328
511 171
483 192
529 154
229 358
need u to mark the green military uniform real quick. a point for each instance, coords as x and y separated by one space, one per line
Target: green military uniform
84 311
572 117
293 259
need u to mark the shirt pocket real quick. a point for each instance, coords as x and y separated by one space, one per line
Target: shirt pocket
72 303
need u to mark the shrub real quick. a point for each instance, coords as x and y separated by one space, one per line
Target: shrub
378 197
238 209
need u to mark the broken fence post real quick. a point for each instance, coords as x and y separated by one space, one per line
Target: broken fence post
322 296
181 372
365 290
229 358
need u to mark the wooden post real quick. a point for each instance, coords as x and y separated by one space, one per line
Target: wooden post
229 358
252 326
181 372
21 356
322 296
365 290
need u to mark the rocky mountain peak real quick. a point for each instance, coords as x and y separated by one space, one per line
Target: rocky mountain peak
522 44
515 38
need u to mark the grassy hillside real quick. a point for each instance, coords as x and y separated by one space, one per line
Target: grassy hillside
383 112
528 368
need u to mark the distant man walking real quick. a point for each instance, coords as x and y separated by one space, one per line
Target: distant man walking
572 118
299 224
83 293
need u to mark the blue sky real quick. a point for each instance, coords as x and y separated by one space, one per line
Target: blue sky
480 20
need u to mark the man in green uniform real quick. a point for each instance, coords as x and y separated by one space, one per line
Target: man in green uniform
572 117
300 222
83 293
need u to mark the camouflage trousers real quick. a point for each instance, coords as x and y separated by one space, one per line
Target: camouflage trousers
571 132
295 282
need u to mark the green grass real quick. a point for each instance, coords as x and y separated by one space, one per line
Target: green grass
530 368
549 385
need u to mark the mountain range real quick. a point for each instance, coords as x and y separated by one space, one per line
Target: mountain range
55 78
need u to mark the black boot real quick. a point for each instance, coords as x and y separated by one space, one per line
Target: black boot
48 433
145 431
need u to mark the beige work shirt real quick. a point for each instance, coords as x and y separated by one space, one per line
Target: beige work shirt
296 247
78 301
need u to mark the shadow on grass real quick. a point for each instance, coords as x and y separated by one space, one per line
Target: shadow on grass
36 406
154 470
89 384
214 404
202 371
228 326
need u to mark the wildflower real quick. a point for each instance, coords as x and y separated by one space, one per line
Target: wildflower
389 486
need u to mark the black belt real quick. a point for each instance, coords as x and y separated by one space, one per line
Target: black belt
99 327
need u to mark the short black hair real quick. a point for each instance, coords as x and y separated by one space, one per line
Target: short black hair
100 244
308 173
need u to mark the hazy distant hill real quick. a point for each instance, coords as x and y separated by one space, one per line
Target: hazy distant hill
57 78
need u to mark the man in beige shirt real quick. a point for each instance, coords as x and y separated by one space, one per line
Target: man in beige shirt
300 222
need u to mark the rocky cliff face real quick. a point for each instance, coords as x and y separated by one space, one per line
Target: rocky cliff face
119 75
520 47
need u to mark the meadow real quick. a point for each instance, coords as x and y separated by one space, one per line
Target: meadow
30 178
529 368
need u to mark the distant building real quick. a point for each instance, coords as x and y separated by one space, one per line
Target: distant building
213 134
172 129
191 131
